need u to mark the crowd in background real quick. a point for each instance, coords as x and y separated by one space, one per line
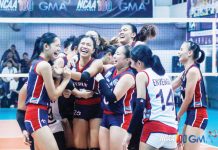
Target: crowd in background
12 63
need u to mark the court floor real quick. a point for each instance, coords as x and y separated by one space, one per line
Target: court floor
11 136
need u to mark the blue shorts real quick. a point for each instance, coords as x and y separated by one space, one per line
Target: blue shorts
36 117
87 112
197 117
120 120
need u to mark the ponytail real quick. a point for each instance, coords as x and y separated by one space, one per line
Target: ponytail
156 65
196 50
146 32
36 50
144 54
201 58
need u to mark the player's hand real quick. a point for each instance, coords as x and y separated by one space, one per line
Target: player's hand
179 146
99 77
26 138
67 93
126 141
178 118
87 94
67 73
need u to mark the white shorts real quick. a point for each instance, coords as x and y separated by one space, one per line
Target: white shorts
56 126
161 140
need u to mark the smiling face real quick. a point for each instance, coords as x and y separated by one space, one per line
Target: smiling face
184 53
52 50
119 58
86 47
126 35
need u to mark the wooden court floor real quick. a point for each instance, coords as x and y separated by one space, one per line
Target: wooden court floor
11 137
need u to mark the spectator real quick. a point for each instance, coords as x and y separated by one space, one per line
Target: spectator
14 51
25 63
24 68
9 69
10 56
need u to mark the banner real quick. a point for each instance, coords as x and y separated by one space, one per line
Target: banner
77 8
201 33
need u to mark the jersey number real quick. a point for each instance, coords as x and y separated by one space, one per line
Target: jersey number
50 114
169 99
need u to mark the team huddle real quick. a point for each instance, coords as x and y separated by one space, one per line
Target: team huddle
116 99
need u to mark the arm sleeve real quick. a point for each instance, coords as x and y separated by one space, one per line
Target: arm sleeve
106 91
137 115
20 119
85 76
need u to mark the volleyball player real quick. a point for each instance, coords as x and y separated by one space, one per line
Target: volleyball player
193 92
117 89
21 106
127 34
154 100
59 126
88 114
40 90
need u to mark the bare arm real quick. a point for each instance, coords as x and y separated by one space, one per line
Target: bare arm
44 69
177 82
123 85
106 67
22 98
95 67
141 82
82 94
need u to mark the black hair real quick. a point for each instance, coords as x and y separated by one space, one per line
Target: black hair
133 28
71 40
127 51
196 50
94 55
111 49
36 49
147 31
25 53
144 54
13 45
46 38
10 61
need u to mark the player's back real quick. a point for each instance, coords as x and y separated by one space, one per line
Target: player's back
160 104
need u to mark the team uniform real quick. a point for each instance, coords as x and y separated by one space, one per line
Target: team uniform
87 108
55 124
37 100
118 113
197 112
159 115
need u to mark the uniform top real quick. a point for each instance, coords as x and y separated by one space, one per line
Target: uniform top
123 106
91 84
199 97
160 104
36 91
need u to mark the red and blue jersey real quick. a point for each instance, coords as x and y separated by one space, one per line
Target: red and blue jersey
36 91
90 85
122 106
199 97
